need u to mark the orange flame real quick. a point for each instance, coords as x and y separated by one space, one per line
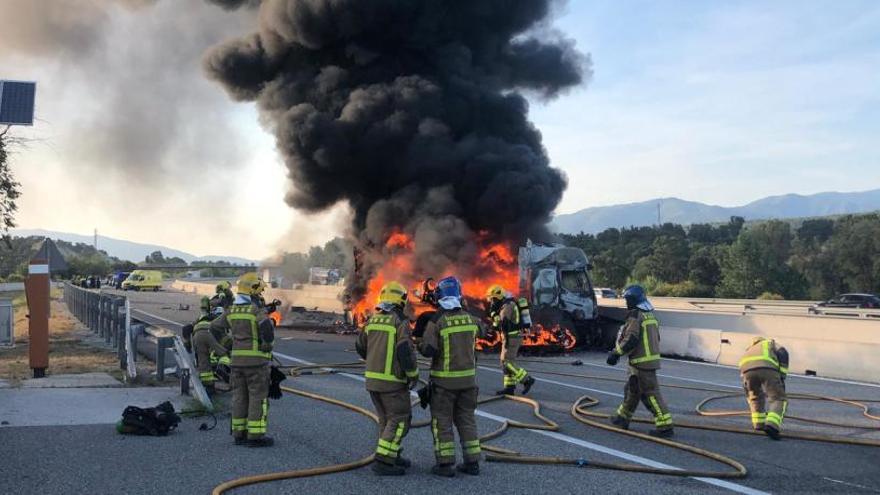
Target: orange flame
496 264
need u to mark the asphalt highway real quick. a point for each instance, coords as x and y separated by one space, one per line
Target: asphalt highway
94 459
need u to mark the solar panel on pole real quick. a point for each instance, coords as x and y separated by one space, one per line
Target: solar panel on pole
17 102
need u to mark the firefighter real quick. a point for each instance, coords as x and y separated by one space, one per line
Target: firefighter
763 368
392 370
449 340
505 317
639 339
223 296
206 345
252 338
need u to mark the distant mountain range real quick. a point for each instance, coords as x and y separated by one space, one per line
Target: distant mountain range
127 250
599 218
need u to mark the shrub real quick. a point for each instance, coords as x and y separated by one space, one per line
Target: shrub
770 296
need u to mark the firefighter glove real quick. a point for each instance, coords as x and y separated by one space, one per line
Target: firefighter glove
275 379
613 358
424 394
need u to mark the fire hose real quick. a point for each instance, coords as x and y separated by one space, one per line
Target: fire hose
579 411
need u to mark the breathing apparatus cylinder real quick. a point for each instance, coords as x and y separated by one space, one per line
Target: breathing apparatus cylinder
525 317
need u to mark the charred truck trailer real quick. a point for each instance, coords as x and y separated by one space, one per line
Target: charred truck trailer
556 281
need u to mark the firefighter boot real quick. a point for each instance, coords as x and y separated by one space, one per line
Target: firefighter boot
382 469
444 470
620 422
471 468
260 442
527 384
508 390
772 432
240 440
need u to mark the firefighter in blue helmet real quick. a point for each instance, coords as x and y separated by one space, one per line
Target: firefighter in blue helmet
449 341
639 339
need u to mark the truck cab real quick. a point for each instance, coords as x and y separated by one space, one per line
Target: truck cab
556 280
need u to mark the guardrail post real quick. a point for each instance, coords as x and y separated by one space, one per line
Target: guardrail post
108 322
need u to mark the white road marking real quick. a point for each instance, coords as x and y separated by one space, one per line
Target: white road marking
576 441
852 484
150 315
663 375
790 375
561 384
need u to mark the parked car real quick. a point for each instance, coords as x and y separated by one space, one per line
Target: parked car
860 301
605 293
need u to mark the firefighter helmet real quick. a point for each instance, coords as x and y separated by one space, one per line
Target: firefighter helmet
223 287
205 304
393 293
495 293
251 284
637 298
448 287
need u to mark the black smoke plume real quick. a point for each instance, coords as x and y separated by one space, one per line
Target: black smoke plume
410 111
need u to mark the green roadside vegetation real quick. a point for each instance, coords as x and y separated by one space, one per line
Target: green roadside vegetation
774 259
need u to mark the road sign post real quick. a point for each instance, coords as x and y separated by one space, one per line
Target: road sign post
37 292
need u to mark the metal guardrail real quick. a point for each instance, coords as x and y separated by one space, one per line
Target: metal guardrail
104 314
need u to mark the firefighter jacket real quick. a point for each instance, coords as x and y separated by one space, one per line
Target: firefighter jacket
220 339
505 317
385 344
639 338
252 333
764 353
449 341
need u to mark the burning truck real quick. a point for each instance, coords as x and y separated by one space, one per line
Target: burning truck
554 279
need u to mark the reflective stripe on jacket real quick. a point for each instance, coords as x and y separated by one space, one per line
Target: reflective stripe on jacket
248 348
646 329
761 354
453 335
381 336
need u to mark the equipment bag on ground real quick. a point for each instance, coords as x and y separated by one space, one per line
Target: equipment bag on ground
154 421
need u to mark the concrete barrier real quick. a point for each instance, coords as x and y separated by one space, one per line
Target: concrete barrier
822 345
321 297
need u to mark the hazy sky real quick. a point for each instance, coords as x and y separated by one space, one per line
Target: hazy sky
720 102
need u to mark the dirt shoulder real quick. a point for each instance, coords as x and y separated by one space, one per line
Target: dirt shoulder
73 348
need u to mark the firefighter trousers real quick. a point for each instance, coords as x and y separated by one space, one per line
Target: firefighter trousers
642 385
202 345
395 414
250 404
454 408
765 393
513 374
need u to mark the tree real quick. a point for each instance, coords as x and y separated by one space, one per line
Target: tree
818 229
9 191
155 258
856 252
757 262
703 267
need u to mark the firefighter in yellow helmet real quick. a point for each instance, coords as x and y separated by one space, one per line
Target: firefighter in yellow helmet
505 316
392 370
206 344
763 368
223 295
252 337
639 339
